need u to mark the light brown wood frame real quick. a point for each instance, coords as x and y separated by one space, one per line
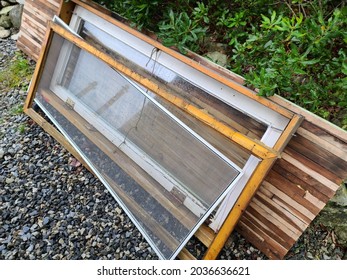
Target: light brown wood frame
214 242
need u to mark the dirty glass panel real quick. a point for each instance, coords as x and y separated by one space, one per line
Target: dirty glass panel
167 178
148 66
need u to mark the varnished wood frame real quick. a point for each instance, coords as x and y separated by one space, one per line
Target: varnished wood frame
214 242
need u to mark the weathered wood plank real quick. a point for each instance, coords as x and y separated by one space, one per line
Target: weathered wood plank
284 200
312 118
316 171
185 255
28 45
279 210
284 171
34 24
314 185
272 227
260 239
325 135
293 191
319 155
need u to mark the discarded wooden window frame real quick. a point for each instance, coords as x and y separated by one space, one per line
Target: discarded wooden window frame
268 155
274 121
185 224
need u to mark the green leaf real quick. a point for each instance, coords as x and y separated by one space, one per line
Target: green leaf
269 43
273 16
310 62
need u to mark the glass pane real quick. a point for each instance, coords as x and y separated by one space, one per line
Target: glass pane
177 85
166 177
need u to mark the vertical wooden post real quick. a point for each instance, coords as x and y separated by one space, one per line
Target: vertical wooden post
66 9
38 70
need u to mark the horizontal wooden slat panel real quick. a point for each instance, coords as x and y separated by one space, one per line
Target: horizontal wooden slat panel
269 246
310 182
324 136
273 227
280 211
311 169
287 202
33 28
284 171
293 191
319 155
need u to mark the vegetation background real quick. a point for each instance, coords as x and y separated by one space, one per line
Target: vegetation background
293 48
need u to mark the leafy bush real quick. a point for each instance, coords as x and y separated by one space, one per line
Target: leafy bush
294 48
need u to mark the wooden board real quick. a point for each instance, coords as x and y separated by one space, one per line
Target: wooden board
36 14
312 167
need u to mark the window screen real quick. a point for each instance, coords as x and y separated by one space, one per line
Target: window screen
166 176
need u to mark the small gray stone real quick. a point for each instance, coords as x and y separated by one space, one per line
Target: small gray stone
15 37
5 34
2 152
45 220
9 180
309 255
30 248
7 240
25 229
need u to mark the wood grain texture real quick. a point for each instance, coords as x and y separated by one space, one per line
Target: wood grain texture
312 167
36 14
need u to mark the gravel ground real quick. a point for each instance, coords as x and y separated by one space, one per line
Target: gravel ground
51 208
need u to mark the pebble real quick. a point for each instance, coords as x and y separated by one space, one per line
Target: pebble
54 213
9 180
